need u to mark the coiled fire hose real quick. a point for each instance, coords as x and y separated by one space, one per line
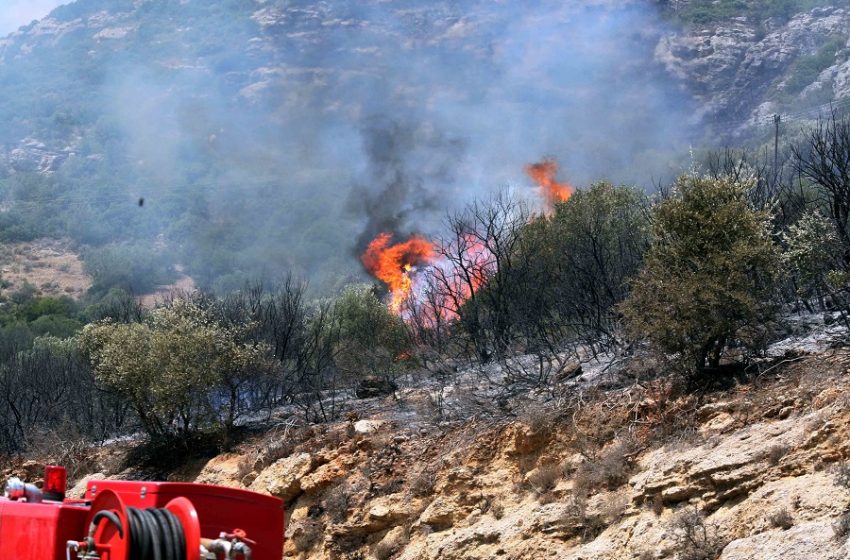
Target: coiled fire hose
155 534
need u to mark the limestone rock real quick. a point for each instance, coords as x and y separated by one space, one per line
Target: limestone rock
732 66
801 542
715 473
283 477
440 514
222 470
323 477
367 427
78 491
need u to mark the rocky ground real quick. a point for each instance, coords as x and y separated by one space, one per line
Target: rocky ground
52 267
757 467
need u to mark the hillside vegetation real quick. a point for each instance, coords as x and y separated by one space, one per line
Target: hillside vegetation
603 373
159 134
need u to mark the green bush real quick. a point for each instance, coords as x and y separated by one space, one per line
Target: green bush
718 11
709 275
371 338
812 252
55 325
807 68
179 368
134 267
596 241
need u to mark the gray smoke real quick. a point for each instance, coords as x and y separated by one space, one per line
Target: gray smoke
408 167
302 129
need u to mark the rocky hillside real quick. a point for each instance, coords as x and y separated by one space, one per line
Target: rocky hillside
599 467
191 126
745 69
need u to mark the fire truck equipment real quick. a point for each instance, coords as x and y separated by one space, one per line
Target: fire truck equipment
134 520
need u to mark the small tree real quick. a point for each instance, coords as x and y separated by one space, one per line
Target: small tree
708 276
598 237
178 368
813 251
824 159
371 337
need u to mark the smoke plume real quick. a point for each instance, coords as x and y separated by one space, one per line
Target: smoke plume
282 135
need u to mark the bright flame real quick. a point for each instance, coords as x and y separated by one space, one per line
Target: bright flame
462 274
543 173
393 263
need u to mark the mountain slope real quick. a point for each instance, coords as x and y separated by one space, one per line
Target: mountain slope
242 138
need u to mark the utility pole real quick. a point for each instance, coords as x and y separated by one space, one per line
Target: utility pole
776 120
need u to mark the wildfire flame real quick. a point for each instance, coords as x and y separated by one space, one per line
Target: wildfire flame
392 264
543 173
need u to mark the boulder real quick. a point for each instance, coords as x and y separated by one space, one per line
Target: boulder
375 386
440 514
283 477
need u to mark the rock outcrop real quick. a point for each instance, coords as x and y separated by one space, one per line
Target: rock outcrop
760 469
744 69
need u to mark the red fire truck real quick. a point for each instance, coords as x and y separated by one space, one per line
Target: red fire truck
132 520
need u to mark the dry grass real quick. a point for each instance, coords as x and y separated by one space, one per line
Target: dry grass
389 545
614 508
781 519
423 482
545 478
841 527
842 475
775 454
276 444
610 470
65 446
336 503
307 535
657 504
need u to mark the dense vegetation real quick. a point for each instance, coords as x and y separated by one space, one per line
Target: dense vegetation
698 277
695 277
154 162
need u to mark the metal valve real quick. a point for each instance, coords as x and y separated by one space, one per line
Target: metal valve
230 546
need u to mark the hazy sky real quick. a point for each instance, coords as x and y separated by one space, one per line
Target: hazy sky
15 13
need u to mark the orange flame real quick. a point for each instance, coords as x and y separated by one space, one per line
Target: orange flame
392 264
543 173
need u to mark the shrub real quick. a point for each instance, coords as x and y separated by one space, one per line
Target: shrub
134 267
781 519
807 68
595 241
842 475
776 453
423 482
336 502
390 544
544 478
179 369
614 507
610 470
696 539
370 336
307 534
813 250
709 275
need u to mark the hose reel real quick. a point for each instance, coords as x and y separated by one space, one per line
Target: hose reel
119 532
